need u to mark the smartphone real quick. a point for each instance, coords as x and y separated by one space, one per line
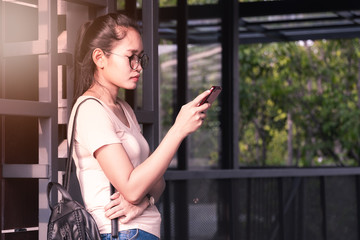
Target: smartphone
214 92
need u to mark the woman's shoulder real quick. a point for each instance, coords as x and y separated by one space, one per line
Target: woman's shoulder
88 100
89 105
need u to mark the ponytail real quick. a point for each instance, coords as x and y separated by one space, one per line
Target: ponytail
83 65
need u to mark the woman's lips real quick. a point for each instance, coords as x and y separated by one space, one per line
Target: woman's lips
135 78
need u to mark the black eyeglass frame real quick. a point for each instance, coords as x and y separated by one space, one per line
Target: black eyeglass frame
143 60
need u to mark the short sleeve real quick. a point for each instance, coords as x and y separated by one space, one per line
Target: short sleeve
95 128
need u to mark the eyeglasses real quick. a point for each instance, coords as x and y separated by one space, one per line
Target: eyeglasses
135 60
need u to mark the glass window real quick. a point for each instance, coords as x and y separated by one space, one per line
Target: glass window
21 78
121 4
168 78
204 71
202 2
20 206
299 104
21 141
20 20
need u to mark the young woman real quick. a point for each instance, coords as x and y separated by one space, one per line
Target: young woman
109 146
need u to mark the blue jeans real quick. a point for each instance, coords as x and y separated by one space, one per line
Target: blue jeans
131 234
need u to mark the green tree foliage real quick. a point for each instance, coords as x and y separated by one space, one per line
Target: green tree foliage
299 102
315 85
169 3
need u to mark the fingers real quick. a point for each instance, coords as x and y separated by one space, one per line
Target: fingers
196 103
110 205
114 213
129 216
125 211
124 219
200 97
203 108
114 201
191 115
114 196
202 115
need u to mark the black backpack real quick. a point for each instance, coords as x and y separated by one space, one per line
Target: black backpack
69 220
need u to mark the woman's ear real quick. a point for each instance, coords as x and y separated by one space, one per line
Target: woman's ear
98 57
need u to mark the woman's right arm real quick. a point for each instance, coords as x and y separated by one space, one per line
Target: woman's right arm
135 183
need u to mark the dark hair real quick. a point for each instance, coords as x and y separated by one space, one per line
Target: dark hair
102 32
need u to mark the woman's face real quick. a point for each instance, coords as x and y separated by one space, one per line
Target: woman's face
117 70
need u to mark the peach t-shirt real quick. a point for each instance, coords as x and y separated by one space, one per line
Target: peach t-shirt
97 126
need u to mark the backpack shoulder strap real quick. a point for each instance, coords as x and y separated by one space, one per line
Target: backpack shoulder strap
69 158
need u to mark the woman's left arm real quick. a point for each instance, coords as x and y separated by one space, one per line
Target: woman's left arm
125 211
118 207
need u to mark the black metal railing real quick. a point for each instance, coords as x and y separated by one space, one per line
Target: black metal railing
262 204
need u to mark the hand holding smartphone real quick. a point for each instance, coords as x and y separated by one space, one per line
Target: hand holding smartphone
214 93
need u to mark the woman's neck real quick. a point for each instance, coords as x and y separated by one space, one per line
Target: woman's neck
103 93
